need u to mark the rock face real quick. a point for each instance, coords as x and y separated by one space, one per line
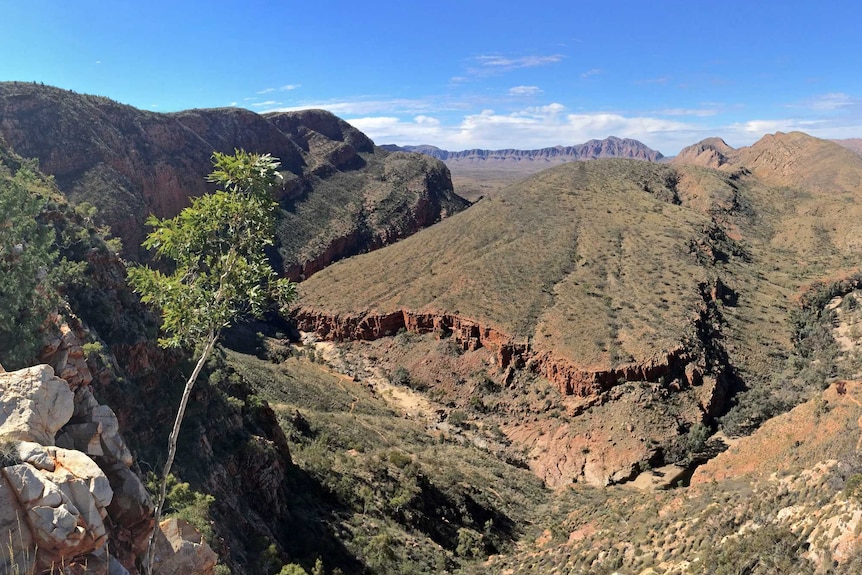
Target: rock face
66 469
611 147
711 152
581 449
342 195
34 405
570 379
180 550
55 500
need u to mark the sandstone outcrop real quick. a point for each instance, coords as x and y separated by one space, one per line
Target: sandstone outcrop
711 153
180 550
34 405
66 470
54 499
570 378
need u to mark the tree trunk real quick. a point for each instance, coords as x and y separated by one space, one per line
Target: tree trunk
172 448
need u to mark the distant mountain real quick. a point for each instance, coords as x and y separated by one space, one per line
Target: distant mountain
485 173
854 144
342 195
793 159
611 147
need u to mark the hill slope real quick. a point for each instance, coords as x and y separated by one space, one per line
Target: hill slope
342 195
680 278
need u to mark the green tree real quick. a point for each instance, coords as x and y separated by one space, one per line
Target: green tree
220 271
27 255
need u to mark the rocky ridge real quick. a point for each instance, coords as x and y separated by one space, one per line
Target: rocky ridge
611 147
520 305
72 489
350 195
470 335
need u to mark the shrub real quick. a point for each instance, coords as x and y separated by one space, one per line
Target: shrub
401 376
458 418
470 543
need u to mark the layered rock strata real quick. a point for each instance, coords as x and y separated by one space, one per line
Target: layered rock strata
569 377
341 194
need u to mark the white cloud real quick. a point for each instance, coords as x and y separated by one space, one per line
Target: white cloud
360 106
525 91
267 104
699 112
472 122
530 128
551 109
506 63
764 126
592 72
829 102
392 130
285 88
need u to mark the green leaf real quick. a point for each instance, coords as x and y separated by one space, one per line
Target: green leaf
216 246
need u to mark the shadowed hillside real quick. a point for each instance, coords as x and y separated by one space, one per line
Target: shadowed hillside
341 195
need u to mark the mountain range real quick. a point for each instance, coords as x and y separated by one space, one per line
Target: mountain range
341 194
558 377
611 147
483 173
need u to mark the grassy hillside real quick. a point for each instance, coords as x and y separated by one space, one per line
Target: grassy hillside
599 246
785 500
396 496
683 277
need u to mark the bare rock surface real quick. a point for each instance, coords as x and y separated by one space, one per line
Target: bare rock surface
34 404
180 550
55 505
61 453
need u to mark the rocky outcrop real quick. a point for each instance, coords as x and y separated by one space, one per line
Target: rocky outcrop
55 500
60 440
132 163
611 147
93 429
180 550
34 405
411 194
570 378
54 507
711 152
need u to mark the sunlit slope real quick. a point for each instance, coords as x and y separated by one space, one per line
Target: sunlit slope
592 261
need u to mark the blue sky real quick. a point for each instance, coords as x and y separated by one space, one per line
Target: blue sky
465 74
